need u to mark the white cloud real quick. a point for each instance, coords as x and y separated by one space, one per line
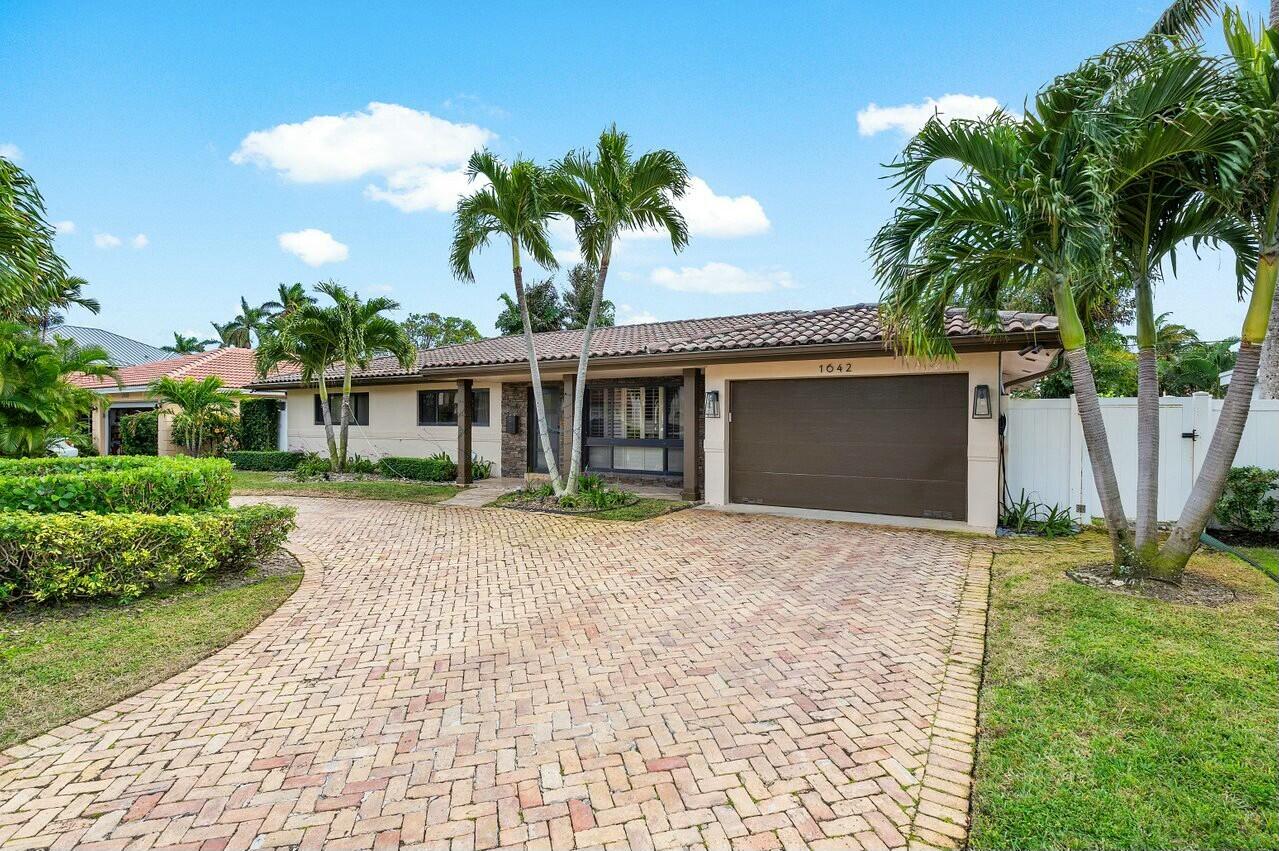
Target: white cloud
627 315
720 279
709 214
140 241
10 151
64 227
423 187
381 288
106 240
313 247
909 118
384 138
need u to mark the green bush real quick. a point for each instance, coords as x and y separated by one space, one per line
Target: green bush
259 425
140 433
1247 504
356 464
272 459
311 466
114 484
437 468
56 557
216 432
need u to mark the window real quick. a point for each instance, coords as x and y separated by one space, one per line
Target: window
359 408
634 429
439 407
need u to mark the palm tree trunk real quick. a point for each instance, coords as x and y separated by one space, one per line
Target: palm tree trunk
346 417
1205 492
579 388
326 416
1147 425
535 374
1094 427
1268 370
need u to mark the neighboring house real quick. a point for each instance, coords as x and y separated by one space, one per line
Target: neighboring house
797 409
123 351
234 366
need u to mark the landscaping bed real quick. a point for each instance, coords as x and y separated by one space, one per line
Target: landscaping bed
59 663
1110 720
341 486
631 507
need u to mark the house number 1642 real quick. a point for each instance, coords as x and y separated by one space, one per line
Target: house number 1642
834 367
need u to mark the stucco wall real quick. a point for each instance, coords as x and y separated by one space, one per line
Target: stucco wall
983 435
393 428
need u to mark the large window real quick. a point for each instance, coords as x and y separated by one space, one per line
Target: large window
359 408
439 407
634 429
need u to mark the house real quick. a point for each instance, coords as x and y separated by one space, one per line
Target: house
123 350
795 409
234 366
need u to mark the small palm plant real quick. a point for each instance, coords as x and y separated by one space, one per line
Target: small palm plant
183 345
199 402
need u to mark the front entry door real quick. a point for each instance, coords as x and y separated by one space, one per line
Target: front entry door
551 398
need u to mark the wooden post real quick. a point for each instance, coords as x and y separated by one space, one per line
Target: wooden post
688 425
465 414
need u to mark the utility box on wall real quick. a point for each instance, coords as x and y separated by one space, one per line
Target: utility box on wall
513 424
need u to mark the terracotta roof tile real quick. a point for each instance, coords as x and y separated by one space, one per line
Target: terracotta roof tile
234 366
853 324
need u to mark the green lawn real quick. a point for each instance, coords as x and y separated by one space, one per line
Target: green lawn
59 664
249 483
1109 721
645 508
1267 556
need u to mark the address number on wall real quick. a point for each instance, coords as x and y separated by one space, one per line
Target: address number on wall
833 367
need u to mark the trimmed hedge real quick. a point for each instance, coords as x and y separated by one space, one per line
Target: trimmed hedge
271 460
259 425
58 557
140 433
434 469
116 483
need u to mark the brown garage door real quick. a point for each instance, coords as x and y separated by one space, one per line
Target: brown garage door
893 445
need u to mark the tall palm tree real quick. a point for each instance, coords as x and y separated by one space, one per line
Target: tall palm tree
183 345
350 333
1255 58
607 194
58 295
289 298
27 257
227 334
245 327
1025 211
199 401
515 204
1268 369
38 402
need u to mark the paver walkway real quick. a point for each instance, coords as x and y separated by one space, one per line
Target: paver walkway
464 678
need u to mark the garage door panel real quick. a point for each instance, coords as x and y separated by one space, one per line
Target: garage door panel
882 445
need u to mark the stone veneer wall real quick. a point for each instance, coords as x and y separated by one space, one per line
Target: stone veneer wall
515 446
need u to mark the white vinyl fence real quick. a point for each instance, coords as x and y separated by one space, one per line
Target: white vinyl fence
1045 453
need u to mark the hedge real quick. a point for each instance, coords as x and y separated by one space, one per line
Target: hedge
57 557
114 484
140 433
267 460
259 426
434 469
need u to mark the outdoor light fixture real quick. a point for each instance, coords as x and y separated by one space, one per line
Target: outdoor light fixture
981 402
712 403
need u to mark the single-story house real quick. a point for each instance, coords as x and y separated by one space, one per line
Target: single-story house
234 366
795 409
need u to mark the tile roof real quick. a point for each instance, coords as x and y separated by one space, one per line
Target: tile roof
233 365
123 350
853 324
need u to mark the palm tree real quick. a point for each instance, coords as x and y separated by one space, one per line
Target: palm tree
187 345
545 313
515 204
58 295
289 298
607 194
38 402
199 402
227 334
1268 369
1026 211
245 326
1170 337
350 332
27 257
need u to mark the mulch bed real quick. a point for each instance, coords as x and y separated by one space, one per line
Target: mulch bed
1194 589
551 505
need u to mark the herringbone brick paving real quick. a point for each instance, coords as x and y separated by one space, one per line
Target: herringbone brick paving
469 679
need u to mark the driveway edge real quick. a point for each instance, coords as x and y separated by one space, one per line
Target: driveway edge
312 577
942 817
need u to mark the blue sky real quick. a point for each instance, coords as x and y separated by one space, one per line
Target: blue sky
136 121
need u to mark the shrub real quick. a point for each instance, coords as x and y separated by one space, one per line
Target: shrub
140 433
1025 516
259 425
114 484
311 466
217 432
437 468
356 464
594 495
272 459
65 556
1247 503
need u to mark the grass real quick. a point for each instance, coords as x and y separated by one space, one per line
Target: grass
645 508
247 482
59 664
1109 721
1268 557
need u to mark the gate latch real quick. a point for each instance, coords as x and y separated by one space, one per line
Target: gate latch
1193 434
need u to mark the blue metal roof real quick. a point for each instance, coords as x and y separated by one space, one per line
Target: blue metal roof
123 351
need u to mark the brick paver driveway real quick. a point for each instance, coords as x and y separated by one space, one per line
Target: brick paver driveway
470 678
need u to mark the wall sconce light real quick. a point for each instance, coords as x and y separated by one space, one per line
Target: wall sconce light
981 402
712 404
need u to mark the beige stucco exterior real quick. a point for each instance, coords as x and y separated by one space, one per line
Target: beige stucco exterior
393 428
983 434
134 400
